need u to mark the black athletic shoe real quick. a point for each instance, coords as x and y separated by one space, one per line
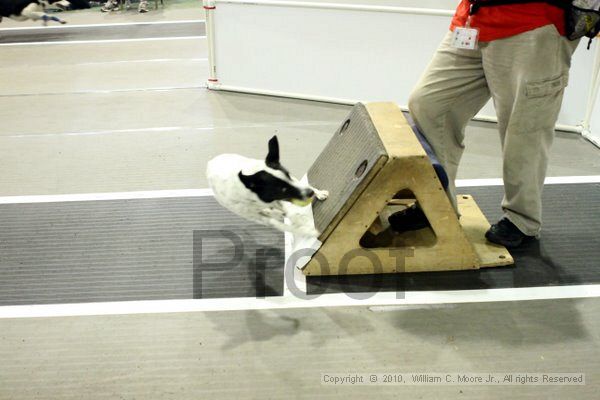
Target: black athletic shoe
409 219
507 234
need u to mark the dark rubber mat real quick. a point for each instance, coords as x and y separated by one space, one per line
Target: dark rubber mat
184 248
568 252
92 32
144 249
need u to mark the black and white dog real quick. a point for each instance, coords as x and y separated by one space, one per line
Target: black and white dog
263 191
22 10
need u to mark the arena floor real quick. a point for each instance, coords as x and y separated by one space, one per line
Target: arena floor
101 108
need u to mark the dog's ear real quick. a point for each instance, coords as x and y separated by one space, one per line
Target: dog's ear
273 156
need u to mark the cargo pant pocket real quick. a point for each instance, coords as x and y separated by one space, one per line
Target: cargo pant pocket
543 99
546 87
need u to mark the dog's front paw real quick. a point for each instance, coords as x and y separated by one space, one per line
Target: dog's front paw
321 194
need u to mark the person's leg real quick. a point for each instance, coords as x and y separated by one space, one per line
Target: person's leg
527 74
450 92
143 6
110 5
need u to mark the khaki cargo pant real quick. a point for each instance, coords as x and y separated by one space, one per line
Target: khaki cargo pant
525 75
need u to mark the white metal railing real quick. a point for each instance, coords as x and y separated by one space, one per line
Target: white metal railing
209 7
340 6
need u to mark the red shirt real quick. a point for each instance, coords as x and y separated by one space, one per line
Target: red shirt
497 22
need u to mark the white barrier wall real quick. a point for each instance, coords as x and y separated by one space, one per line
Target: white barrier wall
346 52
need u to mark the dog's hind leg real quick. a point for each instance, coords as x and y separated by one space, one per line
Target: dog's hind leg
277 224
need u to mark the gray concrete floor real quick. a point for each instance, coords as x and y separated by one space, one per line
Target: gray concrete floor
282 354
134 116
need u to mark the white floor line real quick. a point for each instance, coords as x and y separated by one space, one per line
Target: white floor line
288 302
111 131
67 26
86 64
207 192
151 60
70 42
168 129
108 91
551 180
153 194
558 180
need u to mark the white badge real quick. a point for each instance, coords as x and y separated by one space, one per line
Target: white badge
465 38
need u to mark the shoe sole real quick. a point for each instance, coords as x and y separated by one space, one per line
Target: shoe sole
509 244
